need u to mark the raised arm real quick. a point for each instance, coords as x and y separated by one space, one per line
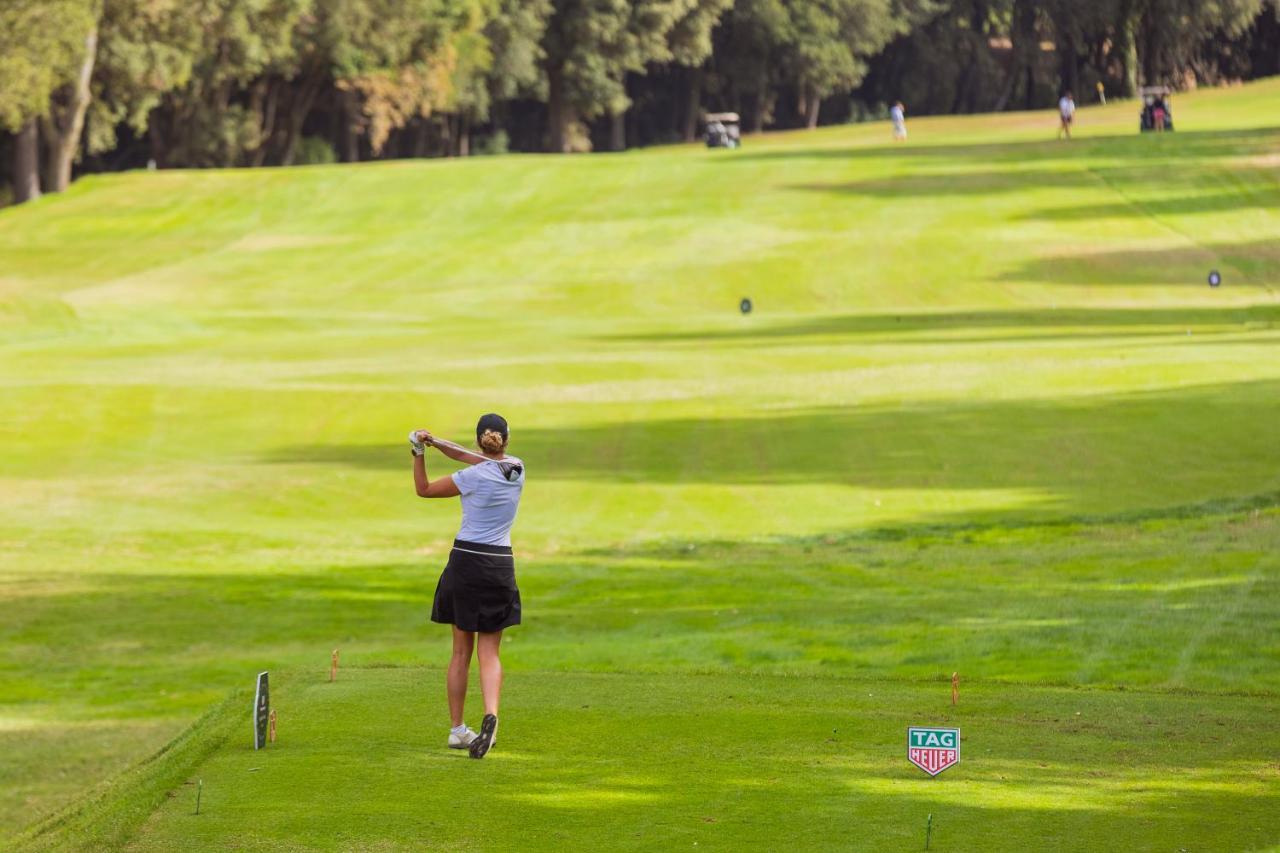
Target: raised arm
456 451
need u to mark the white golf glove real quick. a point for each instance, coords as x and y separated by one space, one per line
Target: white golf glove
418 448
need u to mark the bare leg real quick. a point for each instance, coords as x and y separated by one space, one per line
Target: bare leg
459 668
490 670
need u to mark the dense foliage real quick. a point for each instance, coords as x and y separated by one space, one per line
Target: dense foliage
110 84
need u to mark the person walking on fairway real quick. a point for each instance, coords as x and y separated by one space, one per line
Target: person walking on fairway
898 115
477 592
1066 112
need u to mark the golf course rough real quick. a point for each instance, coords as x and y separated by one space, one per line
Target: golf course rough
985 416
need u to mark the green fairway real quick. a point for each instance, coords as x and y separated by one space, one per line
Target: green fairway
986 417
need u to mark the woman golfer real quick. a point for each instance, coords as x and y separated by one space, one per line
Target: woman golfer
477 592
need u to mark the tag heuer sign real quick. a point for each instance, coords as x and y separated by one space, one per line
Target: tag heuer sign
933 750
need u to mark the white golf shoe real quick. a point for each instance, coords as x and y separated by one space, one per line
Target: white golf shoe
462 741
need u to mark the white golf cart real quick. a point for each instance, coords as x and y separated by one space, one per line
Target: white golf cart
722 130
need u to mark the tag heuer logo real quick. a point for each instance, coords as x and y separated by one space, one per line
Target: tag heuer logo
933 750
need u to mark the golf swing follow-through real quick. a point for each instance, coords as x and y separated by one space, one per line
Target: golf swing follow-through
477 592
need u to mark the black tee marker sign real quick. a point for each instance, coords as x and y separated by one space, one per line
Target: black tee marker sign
261 712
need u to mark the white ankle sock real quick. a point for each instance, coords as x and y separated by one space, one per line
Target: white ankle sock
459 730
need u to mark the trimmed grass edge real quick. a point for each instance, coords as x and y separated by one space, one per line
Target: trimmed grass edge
108 816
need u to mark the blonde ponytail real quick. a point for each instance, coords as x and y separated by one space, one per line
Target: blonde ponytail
491 441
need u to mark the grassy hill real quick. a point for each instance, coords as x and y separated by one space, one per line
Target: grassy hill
987 417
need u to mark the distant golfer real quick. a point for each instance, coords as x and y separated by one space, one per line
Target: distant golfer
1066 112
898 115
1159 114
477 592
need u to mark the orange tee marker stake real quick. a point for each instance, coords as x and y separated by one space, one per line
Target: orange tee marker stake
955 687
333 666
271 728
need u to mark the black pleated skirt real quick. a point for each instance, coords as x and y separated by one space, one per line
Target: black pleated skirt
477 589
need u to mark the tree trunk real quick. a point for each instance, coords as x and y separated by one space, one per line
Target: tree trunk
65 123
1002 100
693 107
26 164
420 129
447 141
1129 48
962 85
350 140
618 131
1150 56
1068 65
1022 60
557 113
299 108
1010 83
160 135
757 120
813 103
1264 45
267 125
256 98
464 136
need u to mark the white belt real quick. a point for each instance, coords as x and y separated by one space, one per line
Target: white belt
481 553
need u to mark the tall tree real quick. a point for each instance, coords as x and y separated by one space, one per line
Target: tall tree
146 49
1128 19
217 118
690 46
587 50
42 43
478 31
394 62
1024 51
63 124
590 47
1079 28
1171 32
515 34
747 62
830 44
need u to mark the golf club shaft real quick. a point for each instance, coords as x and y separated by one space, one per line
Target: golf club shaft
437 442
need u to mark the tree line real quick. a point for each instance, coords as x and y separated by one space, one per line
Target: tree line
96 85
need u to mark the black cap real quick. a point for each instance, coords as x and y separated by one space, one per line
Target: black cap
497 423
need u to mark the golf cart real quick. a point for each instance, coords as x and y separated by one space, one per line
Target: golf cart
722 130
1156 114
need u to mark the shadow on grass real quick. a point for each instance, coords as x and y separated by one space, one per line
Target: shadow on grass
977 326
1254 199
1073 455
1207 144
985 183
1254 263
989 183
1096 603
